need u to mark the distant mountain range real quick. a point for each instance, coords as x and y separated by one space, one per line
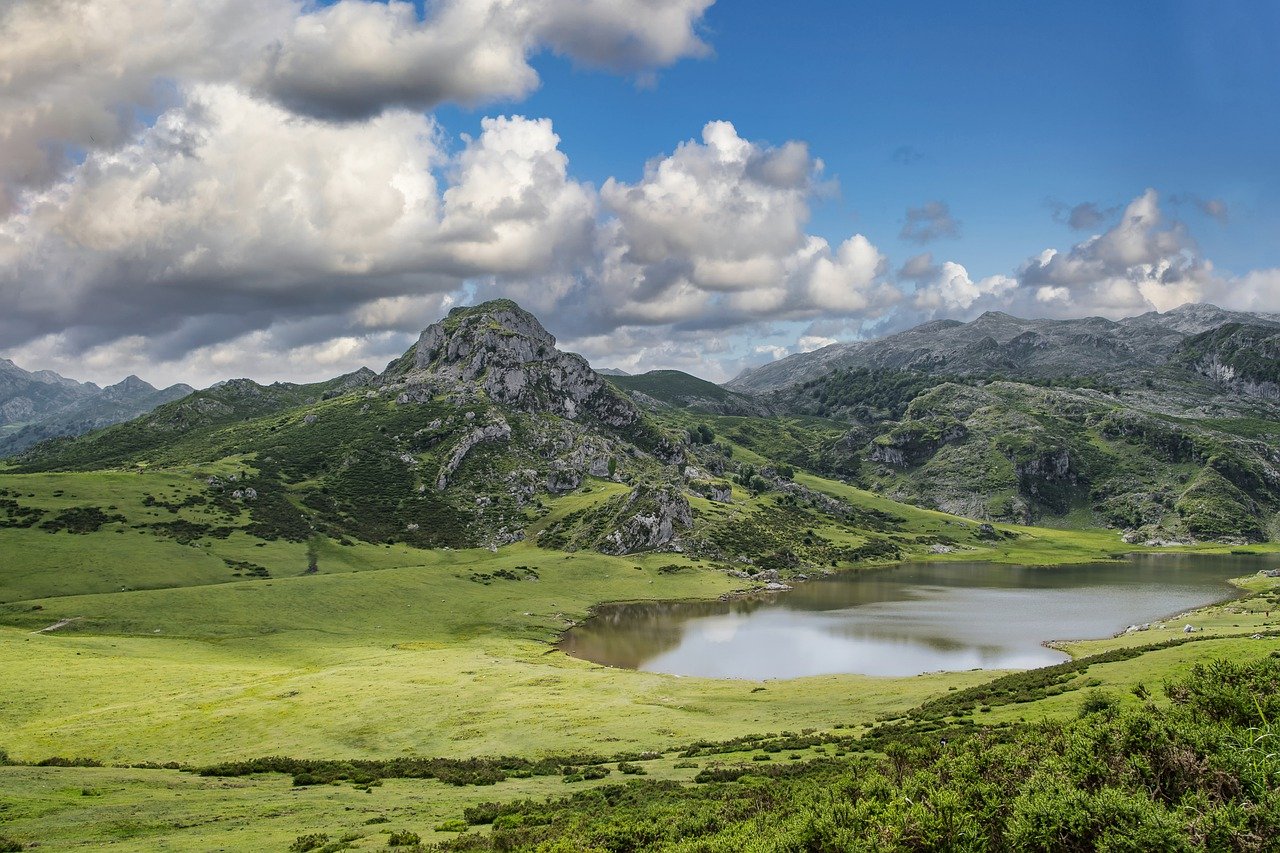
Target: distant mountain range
39 405
1122 351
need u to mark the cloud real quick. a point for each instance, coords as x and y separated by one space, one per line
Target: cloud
1140 262
1214 208
714 235
809 343
1081 217
918 268
356 58
928 223
231 214
233 219
81 75
951 291
1144 261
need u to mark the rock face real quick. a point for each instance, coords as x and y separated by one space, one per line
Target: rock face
1046 476
652 520
914 441
563 480
1244 358
503 350
498 430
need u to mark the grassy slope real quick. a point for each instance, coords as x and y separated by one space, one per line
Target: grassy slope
342 663
388 650
83 808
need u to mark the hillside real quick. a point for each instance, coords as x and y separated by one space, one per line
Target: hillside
679 389
468 440
1242 358
1163 426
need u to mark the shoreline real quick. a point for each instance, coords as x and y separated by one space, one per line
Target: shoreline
1060 645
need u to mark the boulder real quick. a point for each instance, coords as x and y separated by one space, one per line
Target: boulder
561 480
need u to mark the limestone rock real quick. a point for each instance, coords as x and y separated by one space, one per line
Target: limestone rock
651 520
497 430
503 350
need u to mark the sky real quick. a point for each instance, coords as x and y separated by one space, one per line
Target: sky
193 190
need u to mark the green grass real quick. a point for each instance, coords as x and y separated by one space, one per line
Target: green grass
166 655
146 810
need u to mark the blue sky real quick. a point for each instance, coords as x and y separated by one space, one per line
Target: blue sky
287 190
1005 104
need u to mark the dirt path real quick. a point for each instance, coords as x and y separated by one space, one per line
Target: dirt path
61 623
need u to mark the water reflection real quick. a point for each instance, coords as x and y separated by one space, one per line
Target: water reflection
906 620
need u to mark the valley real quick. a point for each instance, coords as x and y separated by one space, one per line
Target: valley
348 581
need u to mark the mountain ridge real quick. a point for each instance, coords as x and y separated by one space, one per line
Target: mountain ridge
467 437
1019 348
39 405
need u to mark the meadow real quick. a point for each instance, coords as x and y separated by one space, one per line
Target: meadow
162 631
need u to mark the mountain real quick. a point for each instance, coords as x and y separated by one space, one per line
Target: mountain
27 397
1163 425
1242 357
676 388
1125 352
458 442
38 406
484 433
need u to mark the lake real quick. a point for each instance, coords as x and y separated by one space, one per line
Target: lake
909 619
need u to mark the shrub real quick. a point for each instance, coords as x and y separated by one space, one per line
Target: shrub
303 843
404 839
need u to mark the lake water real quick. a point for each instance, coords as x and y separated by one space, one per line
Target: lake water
909 619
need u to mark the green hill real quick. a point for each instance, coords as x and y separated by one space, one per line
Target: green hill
682 390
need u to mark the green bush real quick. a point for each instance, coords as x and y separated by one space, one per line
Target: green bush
1188 775
404 838
1098 702
304 843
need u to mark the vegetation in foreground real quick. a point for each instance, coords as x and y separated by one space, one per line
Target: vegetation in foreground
1194 765
1198 773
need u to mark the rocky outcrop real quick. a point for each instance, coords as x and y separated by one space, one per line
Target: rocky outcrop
502 350
652 519
561 480
349 382
498 430
912 442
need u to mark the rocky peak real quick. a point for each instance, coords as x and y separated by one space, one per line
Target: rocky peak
130 386
245 387
497 331
503 350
